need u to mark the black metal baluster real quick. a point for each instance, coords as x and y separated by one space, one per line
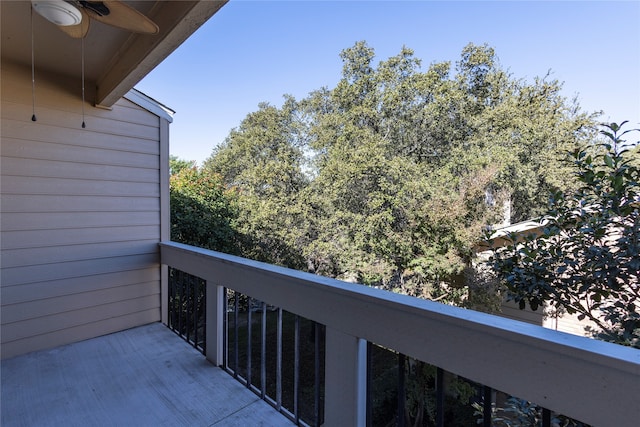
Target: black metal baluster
197 291
203 314
176 301
194 309
316 328
187 307
486 406
546 417
439 397
263 353
296 367
236 335
181 302
171 300
249 332
369 383
279 362
174 304
401 389
225 332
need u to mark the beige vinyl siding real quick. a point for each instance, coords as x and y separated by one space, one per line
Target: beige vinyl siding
511 310
570 324
566 323
80 216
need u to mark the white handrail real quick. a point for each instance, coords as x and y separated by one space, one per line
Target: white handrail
589 380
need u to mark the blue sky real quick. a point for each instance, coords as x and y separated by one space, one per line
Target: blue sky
255 51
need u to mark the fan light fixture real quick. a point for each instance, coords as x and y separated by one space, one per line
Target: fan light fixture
58 11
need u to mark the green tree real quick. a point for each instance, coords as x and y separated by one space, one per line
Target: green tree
587 260
388 178
405 161
176 164
203 211
263 161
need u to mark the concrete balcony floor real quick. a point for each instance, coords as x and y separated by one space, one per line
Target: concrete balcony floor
146 376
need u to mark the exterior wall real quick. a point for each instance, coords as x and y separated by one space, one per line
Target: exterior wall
511 310
80 215
564 323
569 323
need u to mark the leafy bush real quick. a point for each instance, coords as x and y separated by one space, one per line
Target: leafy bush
202 210
587 260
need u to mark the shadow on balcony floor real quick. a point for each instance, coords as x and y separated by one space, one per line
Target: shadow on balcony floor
145 376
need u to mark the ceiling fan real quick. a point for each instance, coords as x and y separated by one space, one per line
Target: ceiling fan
73 16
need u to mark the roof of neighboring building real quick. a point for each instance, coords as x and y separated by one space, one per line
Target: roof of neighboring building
500 236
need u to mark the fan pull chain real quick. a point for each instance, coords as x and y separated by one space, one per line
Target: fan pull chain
33 75
83 125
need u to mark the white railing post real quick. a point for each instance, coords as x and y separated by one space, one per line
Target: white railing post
345 380
215 324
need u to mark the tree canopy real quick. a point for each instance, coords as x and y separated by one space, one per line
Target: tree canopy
389 177
203 210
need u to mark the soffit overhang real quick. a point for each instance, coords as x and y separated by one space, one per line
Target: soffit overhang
115 60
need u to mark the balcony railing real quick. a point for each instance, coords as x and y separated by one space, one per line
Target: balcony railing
276 354
187 308
592 381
